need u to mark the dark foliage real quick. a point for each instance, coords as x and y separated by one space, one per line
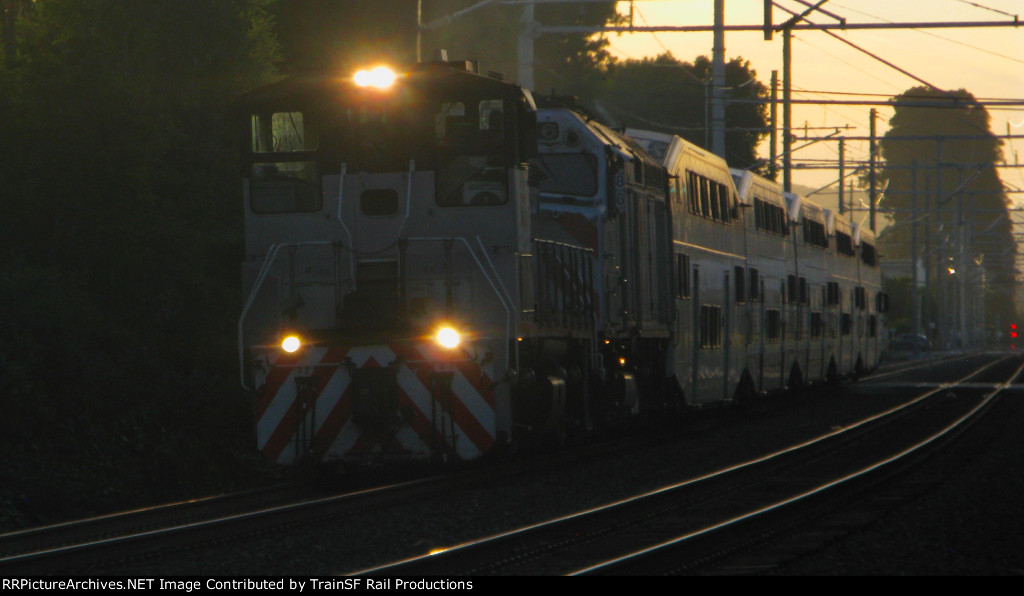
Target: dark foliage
675 100
120 245
339 36
954 178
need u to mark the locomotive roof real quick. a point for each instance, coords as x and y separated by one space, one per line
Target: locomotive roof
617 140
442 75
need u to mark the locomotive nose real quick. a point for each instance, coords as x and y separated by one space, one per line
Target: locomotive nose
375 396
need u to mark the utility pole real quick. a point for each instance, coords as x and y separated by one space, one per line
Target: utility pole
718 82
872 178
915 298
787 81
787 110
842 171
527 33
773 153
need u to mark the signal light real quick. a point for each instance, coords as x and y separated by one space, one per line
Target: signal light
1013 330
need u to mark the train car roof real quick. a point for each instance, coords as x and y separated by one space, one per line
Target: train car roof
750 181
656 144
811 210
672 147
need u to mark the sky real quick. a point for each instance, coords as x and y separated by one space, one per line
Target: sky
987 62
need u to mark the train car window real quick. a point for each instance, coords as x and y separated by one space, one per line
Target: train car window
723 199
708 198
283 132
693 192
705 196
567 173
740 282
844 244
817 325
814 233
716 204
868 255
683 276
770 218
284 187
772 324
832 295
710 326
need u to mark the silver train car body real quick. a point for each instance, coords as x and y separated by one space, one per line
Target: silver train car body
437 269
773 291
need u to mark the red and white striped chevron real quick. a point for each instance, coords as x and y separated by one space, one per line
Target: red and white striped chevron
304 406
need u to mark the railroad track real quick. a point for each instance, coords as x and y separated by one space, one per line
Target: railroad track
142 539
122 539
706 524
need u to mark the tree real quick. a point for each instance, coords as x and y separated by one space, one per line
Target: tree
10 12
675 100
953 176
327 35
121 241
117 163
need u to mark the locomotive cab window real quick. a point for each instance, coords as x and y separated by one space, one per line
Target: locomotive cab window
282 182
573 174
283 132
472 153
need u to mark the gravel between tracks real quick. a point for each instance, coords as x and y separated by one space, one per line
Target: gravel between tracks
970 523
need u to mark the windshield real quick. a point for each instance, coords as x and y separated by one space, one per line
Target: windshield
465 132
567 173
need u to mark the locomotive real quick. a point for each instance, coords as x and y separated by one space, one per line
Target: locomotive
436 269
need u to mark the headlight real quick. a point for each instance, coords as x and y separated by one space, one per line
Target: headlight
381 77
448 337
291 344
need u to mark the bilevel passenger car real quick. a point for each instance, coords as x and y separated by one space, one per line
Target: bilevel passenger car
435 269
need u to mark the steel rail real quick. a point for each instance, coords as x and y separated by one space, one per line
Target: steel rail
803 496
402 566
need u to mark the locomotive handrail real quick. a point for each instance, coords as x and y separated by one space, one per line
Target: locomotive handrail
275 249
505 305
268 261
508 306
341 195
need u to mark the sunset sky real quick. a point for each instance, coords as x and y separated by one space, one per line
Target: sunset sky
987 62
